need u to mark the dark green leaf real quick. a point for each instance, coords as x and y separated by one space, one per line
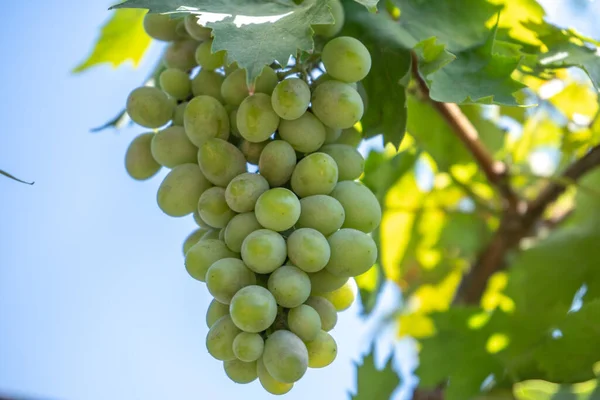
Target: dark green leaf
372 383
14 177
432 56
370 4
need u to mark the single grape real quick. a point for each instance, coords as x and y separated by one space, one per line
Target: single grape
220 161
326 311
181 31
195 30
215 311
205 118
289 285
248 347
222 234
253 309
337 104
233 122
203 254
213 208
322 213
235 89
330 30
324 281
277 209
207 59
179 192
226 276
208 83
321 351
346 59
306 134
352 253
252 151
264 251
241 372
171 147
219 340
178 113
269 383
350 136
305 322
244 190
139 163
316 173
180 55
291 98
176 83
362 209
198 220
149 107
285 356
161 27
331 135
308 249
239 228
350 162
256 119
343 297
277 162
193 238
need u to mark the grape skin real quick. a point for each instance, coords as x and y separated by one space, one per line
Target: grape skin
352 253
343 297
178 113
285 356
269 383
331 135
317 173
180 55
305 322
326 311
208 83
337 104
149 107
212 234
213 208
241 372
362 208
350 136
219 340
215 311
175 83
321 351
346 59
277 209
308 249
208 60
264 251
161 27
139 163
350 162
244 190
322 213
220 161
277 162
203 254
252 151
171 147
290 98
226 277
179 192
235 90
205 118
306 133
330 30
289 285
253 309
248 347
256 119
324 281
239 228
195 30
193 238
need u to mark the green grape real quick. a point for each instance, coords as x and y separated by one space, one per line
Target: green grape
252 150
179 192
277 209
180 55
316 173
337 104
330 30
350 162
244 190
195 30
213 208
178 113
171 147
219 340
289 285
343 297
269 383
352 253
308 249
198 220
253 309
149 107
225 277
241 372
291 98
139 163
176 83
350 137
238 228
362 209
193 238
212 234
346 59
233 122
277 162
207 59
208 83
264 251
248 347
322 213
222 234
203 254
161 27
235 89
285 356
220 161
215 311
306 134
321 351
181 31
205 118
229 69
256 119
326 311
305 322
324 281
326 77
331 135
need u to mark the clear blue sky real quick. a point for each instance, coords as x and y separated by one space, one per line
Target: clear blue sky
95 303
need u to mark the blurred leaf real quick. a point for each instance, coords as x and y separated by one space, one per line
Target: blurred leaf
372 383
489 133
542 390
539 130
576 98
14 178
370 4
369 286
121 39
513 13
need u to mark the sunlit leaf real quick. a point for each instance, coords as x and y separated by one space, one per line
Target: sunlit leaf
373 383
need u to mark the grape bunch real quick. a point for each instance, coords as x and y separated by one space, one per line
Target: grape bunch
269 174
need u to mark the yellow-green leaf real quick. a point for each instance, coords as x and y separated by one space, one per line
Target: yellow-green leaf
576 98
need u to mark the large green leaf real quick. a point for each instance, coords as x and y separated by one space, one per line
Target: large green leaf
372 383
121 39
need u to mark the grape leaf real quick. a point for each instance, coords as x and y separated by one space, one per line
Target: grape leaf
542 390
514 13
372 383
370 4
14 178
121 39
432 56
251 8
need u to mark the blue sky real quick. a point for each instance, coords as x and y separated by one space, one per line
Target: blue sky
94 300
